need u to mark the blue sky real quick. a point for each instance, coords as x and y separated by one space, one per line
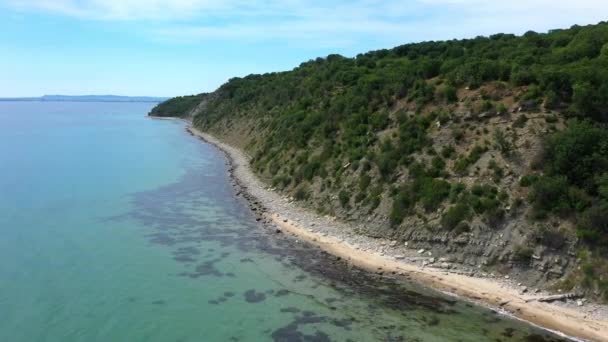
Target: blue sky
167 48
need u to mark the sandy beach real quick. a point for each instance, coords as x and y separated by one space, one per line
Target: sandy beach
387 257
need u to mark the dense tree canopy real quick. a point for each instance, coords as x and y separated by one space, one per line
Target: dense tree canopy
329 110
177 106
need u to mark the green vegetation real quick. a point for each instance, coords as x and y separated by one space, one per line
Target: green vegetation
462 164
344 197
574 180
574 185
413 124
502 142
455 215
522 253
337 105
177 106
302 193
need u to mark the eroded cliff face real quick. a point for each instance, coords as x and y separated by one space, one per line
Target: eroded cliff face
499 240
466 149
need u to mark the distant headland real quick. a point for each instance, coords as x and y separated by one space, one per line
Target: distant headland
87 98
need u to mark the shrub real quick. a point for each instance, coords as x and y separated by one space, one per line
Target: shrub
360 197
485 199
387 159
457 134
281 181
432 192
401 205
528 180
494 213
522 253
533 93
520 122
462 227
475 154
412 135
593 225
517 202
448 93
485 204
498 172
552 100
310 169
443 118
549 236
422 93
455 191
551 119
502 143
454 215
344 198
580 153
397 214
375 197
487 106
437 167
602 185
503 196
301 193
550 194
502 109
462 164
591 101
364 182
522 76
379 120
482 190
447 151
579 199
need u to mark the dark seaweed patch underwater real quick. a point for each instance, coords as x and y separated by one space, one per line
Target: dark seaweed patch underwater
300 292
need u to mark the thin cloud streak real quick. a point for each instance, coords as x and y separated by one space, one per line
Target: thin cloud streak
319 23
187 9
123 10
186 46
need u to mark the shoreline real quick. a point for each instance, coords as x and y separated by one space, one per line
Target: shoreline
378 256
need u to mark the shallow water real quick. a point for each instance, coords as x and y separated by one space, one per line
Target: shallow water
115 227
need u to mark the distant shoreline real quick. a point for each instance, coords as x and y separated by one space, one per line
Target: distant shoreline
363 252
79 101
86 98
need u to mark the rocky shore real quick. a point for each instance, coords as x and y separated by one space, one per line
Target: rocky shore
573 316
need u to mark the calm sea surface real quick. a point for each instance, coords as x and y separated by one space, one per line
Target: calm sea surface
115 227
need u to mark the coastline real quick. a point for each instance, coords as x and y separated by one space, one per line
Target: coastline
382 256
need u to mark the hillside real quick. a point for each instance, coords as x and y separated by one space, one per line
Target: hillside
493 150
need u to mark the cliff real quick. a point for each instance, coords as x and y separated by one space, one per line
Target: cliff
492 150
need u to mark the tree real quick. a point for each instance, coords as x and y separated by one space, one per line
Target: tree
579 152
591 101
550 194
448 93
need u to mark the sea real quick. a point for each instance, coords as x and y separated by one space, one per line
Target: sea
118 227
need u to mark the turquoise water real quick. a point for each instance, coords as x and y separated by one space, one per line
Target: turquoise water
116 227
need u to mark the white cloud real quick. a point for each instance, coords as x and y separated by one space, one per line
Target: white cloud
125 9
179 9
323 22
